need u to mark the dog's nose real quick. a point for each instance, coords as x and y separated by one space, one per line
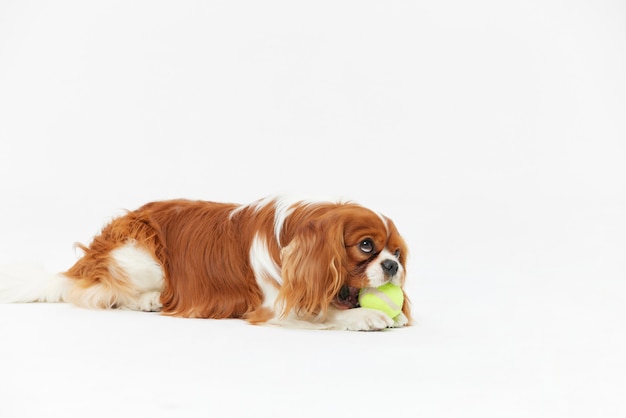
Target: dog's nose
390 267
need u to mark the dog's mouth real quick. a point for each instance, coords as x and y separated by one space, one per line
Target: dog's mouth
347 298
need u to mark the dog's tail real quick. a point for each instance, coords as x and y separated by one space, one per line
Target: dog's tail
28 283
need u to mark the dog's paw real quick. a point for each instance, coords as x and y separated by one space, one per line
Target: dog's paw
400 320
360 319
150 302
146 302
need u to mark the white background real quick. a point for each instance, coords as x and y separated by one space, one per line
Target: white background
493 133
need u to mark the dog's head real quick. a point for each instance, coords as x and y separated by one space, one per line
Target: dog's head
336 250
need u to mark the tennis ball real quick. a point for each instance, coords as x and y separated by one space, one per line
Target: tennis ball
387 298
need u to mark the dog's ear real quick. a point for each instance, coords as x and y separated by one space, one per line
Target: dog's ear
313 268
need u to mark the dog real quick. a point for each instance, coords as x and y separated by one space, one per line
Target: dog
277 261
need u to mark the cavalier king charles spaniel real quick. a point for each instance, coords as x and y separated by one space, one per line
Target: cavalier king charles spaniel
280 261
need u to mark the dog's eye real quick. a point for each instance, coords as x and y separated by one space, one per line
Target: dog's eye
367 246
397 253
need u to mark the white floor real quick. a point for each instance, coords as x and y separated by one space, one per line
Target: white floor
482 348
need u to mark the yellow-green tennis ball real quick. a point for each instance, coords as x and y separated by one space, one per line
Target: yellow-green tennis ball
387 298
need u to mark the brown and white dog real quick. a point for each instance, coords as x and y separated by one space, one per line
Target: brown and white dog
281 261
